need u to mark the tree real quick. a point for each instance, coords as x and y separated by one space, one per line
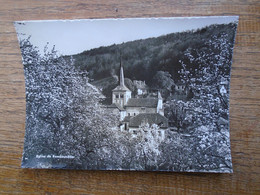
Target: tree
210 63
163 81
64 116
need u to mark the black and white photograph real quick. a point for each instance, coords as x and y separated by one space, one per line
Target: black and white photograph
143 94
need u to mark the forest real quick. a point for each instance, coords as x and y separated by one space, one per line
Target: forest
157 61
65 116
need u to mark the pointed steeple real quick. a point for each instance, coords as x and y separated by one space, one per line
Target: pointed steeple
121 94
122 82
121 86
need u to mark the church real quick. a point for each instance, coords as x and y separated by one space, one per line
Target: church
138 111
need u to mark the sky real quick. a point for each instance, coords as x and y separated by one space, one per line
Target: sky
75 36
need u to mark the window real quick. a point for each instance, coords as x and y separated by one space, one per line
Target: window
121 96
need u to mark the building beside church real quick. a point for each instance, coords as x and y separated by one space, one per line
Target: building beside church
142 88
180 88
223 86
138 111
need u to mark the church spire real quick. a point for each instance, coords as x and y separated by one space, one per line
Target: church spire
122 82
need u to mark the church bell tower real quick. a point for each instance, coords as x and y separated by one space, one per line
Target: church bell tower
121 94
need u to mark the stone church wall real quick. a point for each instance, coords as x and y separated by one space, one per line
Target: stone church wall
138 110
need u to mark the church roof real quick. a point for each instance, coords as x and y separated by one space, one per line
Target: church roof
127 119
142 102
121 88
180 83
114 105
150 118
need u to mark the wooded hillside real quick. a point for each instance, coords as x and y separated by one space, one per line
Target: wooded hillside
143 58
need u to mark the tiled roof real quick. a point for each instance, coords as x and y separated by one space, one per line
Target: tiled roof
121 88
222 121
142 102
142 87
150 118
114 105
180 83
127 119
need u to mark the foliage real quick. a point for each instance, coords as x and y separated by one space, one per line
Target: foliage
163 80
65 116
143 58
205 116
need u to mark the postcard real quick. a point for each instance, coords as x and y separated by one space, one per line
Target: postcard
147 94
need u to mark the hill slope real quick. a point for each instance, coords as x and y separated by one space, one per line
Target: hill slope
143 58
153 60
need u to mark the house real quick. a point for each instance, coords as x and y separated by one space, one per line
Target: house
222 90
224 81
135 112
141 87
147 118
181 89
223 86
117 110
